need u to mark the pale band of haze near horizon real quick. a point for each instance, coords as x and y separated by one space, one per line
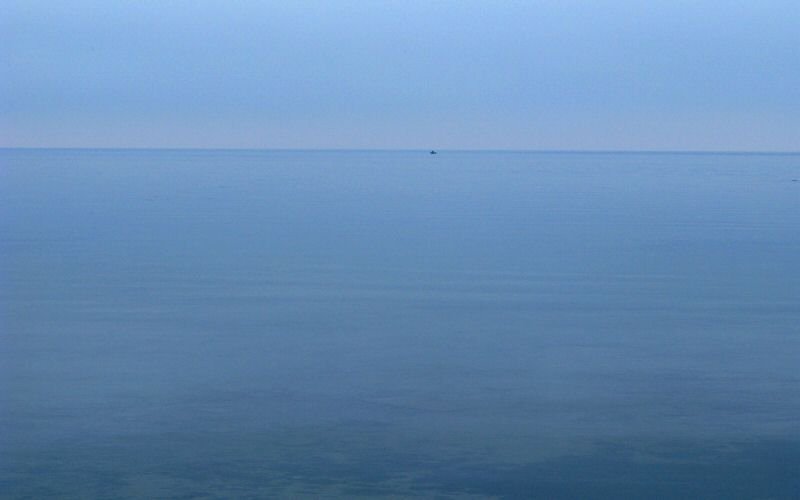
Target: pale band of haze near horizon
538 75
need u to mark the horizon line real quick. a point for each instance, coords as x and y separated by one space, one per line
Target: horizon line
454 150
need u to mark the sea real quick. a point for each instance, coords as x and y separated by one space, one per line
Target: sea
395 324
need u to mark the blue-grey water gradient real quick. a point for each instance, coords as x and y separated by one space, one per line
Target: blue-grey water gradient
242 324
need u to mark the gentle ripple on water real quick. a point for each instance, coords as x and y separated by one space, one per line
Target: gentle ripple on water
310 324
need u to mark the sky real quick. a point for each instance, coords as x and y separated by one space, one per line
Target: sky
716 75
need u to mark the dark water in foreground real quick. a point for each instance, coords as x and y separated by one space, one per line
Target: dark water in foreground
320 324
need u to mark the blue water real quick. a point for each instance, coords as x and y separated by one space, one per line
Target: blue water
247 324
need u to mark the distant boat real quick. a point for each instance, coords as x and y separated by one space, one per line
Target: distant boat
433 152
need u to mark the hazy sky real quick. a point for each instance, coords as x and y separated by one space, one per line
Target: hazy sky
544 74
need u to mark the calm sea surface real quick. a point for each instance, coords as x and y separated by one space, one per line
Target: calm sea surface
211 324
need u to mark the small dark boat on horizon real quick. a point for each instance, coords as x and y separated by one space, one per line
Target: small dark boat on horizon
433 152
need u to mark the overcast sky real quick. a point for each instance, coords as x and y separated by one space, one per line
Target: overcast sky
544 74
